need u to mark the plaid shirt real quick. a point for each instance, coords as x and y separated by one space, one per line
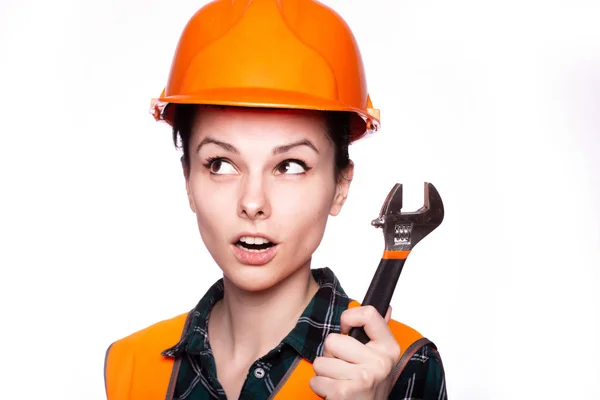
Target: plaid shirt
423 377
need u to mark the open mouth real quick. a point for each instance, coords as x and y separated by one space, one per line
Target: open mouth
254 244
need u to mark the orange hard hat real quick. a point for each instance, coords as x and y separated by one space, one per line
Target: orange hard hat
297 54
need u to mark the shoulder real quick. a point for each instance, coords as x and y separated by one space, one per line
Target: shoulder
150 340
423 376
404 334
138 355
154 335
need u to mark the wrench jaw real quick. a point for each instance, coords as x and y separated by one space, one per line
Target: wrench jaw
403 230
391 205
393 202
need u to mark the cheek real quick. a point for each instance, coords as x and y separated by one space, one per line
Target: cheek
212 209
303 214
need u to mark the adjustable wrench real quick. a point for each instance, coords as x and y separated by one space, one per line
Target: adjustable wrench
401 231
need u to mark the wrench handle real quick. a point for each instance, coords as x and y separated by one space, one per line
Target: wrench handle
380 291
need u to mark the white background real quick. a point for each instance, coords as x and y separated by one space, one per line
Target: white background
495 102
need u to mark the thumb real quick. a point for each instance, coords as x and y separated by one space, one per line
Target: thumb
388 314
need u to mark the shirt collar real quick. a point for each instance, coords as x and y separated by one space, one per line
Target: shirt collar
319 318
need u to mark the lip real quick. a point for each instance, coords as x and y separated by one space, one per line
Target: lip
254 258
255 234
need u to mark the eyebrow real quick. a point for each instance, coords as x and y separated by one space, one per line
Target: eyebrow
287 147
277 150
225 146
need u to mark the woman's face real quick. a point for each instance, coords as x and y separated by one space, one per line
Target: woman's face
261 176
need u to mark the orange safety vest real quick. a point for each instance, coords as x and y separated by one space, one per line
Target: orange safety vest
134 368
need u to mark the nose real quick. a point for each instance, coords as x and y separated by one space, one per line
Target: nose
254 203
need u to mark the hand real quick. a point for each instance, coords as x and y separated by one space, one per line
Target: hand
349 369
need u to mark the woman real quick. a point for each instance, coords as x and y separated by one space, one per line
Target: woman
264 98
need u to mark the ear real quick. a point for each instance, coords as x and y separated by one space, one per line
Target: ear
342 189
186 176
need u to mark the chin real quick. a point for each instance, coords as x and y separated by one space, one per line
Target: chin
256 278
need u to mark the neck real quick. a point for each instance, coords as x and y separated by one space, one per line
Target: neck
250 324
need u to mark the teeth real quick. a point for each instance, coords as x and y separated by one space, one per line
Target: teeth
259 240
247 239
251 250
253 240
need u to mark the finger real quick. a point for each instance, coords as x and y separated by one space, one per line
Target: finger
328 388
346 348
388 315
322 386
334 368
369 318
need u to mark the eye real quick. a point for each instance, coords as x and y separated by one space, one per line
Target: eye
220 166
292 167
